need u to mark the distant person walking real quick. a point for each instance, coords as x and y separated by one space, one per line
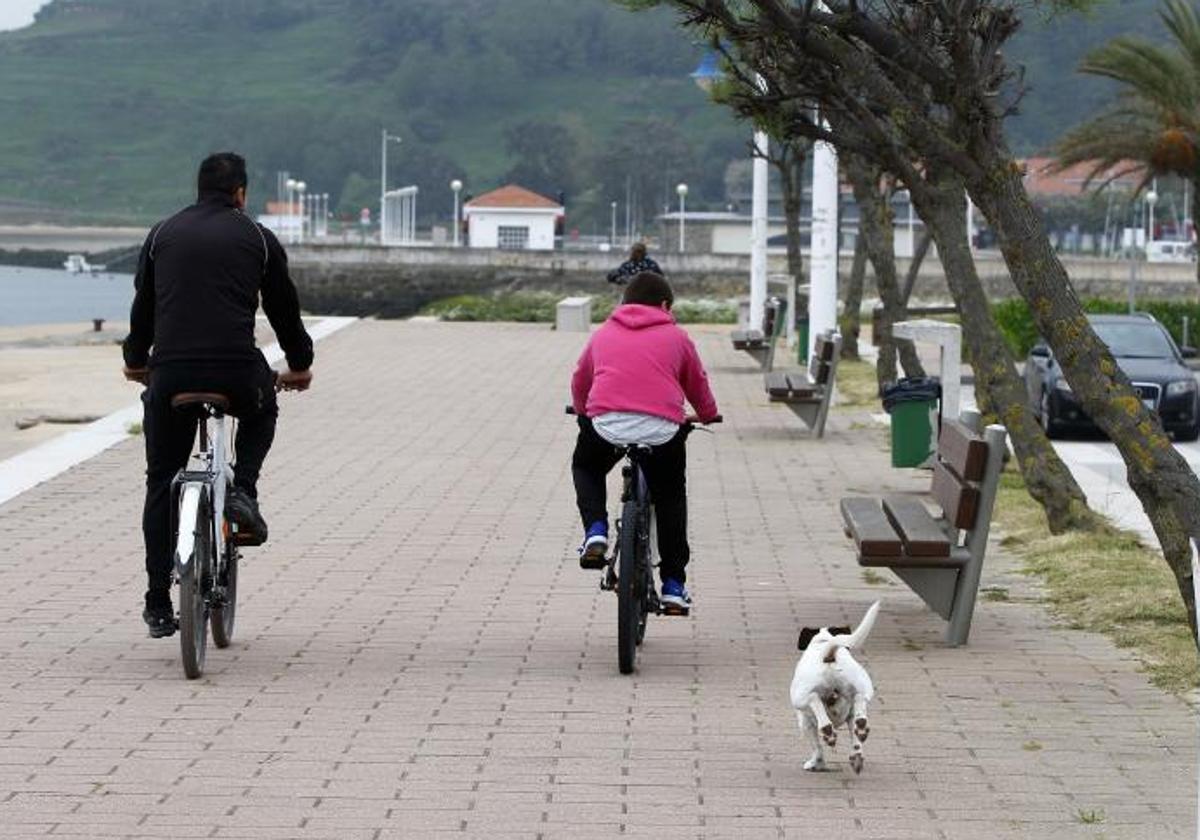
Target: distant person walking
637 263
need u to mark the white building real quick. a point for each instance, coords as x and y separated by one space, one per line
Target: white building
512 218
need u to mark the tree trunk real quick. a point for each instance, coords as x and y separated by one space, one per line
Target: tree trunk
876 227
790 163
1160 477
1000 392
851 324
918 258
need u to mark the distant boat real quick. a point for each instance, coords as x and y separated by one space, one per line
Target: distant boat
78 264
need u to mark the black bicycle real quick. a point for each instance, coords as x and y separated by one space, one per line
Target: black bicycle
630 570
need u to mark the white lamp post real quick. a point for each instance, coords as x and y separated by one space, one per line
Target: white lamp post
682 191
392 138
1151 200
301 187
612 236
324 214
456 187
290 188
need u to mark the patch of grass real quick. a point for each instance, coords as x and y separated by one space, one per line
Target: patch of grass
1091 817
1032 746
856 386
1104 581
995 593
134 429
873 578
909 644
539 307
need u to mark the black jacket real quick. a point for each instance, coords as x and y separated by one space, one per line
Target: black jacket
632 268
197 289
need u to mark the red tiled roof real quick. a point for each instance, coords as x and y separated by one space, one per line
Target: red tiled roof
513 196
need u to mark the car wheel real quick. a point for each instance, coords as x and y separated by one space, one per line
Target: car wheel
1046 414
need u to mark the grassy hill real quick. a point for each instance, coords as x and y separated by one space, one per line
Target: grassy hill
108 104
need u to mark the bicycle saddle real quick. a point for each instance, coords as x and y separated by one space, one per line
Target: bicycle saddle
218 401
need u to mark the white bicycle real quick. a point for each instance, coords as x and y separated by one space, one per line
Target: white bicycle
206 553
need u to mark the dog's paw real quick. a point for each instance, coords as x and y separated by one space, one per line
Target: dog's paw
856 762
861 730
816 764
829 735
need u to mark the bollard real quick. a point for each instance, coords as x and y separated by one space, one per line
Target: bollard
97 324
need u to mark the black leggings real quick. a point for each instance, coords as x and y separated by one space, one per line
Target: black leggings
665 469
171 434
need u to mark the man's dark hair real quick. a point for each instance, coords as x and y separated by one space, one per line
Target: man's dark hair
649 289
637 252
224 173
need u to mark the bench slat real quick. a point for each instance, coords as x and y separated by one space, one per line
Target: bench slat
921 534
870 528
965 451
776 383
959 501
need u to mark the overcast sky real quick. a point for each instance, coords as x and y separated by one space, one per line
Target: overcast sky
17 13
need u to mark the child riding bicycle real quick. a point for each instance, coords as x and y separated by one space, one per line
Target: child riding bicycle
629 389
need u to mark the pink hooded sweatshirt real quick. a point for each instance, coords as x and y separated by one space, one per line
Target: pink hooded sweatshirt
641 361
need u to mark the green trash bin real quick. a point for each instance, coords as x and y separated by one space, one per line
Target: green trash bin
913 404
802 340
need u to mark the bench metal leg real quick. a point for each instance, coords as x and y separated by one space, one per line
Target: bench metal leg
935 586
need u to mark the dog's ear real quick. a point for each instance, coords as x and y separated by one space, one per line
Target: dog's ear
806 636
840 631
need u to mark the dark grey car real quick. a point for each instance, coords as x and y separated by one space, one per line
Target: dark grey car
1145 352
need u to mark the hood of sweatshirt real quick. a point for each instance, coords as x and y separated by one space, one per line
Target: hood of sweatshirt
637 316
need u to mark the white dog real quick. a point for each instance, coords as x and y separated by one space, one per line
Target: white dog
830 688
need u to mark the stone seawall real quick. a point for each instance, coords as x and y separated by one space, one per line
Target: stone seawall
397 282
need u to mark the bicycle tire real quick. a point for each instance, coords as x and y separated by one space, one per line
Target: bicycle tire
223 614
647 542
629 609
193 577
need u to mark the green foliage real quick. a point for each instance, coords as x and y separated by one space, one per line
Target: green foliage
539 307
150 86
1016 322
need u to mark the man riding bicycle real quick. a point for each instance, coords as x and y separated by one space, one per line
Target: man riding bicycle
199 279
628 389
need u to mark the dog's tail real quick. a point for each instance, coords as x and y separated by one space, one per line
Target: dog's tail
855 639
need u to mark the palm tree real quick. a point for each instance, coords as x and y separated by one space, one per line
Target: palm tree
1153 128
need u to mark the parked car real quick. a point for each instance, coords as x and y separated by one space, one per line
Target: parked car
1146 353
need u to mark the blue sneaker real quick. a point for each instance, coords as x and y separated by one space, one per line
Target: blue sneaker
595 546
675 598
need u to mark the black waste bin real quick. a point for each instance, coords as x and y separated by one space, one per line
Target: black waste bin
913 403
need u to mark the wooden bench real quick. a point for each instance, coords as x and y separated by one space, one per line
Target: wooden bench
808 392
761 343
939 557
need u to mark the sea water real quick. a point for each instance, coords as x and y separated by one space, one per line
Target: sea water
48 296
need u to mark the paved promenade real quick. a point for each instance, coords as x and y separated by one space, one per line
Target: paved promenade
418 654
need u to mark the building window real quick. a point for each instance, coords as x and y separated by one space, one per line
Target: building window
513 238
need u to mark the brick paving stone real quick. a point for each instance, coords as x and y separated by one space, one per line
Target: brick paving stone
418 655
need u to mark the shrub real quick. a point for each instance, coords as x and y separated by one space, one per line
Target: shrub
1016 321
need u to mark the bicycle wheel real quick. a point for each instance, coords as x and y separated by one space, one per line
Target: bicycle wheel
194 559
630 611
646 541
225 608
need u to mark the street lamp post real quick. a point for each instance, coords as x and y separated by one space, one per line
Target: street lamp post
1151 200
456 187
290 188
383 172
612 236
324 214
301 187
682 191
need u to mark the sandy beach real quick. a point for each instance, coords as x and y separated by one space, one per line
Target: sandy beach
53 373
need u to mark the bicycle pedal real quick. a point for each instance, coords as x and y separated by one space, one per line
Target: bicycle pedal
592 562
